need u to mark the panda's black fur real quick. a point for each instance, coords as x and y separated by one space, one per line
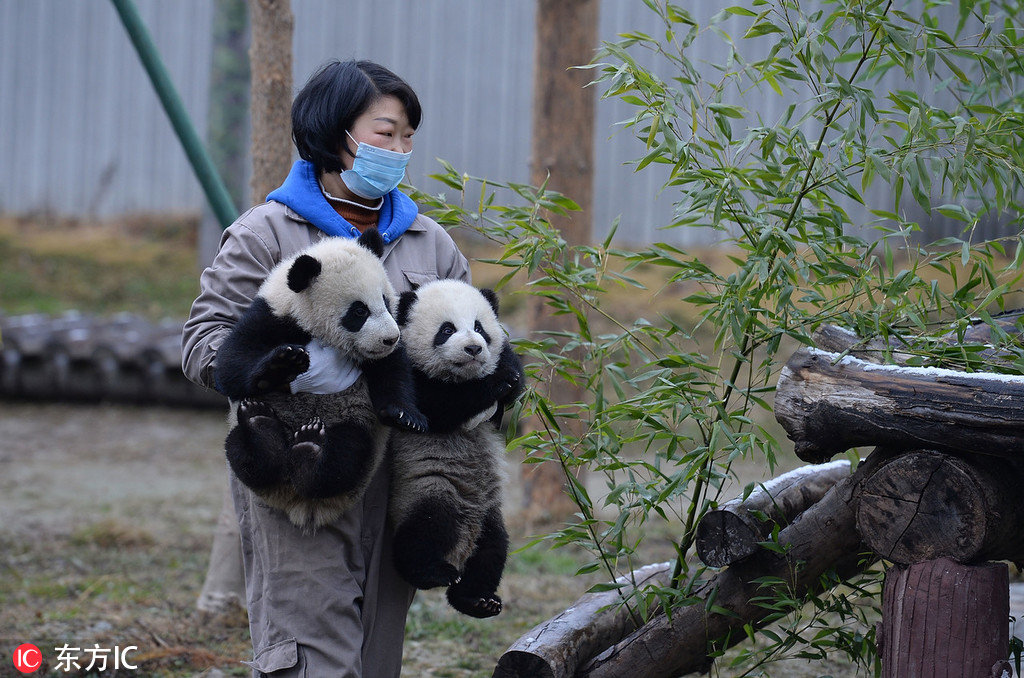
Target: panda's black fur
313 455
445 503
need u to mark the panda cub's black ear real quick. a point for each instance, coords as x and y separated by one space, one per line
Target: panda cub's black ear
304 270
491 298
405 302
371 240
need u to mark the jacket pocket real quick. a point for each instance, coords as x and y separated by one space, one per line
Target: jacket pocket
417 278
277 657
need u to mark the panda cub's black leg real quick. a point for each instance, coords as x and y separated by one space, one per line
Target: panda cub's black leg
476 595
257 446
422 540
328 461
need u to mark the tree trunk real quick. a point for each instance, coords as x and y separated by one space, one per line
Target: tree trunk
732 532
557 647
829 404
925 505
940 618
270 58
562 156
824 538
229 96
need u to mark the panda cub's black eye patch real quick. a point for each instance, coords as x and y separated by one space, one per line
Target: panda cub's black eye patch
479 329
444 333
355 317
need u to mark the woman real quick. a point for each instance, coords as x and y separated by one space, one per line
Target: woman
330 604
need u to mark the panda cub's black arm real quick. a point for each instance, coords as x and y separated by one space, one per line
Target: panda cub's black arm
508 379
390 383
448 405
262 354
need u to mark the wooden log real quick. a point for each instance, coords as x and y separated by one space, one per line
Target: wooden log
925 505
941 618
823 538
557 647
829 404
895 349
734 531
835 339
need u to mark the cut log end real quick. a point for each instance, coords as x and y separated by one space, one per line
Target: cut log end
923 506
516 664
724 538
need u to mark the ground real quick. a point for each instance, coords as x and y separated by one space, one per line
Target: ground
108 515
107 512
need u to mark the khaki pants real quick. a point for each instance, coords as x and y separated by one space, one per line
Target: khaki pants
328 604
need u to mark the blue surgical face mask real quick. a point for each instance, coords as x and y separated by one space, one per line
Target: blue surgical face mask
375 171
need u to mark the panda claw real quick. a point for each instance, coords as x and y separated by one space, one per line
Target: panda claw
403 419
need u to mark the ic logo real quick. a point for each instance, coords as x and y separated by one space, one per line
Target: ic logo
27 658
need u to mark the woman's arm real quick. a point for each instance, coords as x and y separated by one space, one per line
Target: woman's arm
227 288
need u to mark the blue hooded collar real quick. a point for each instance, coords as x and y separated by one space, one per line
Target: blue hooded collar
301 192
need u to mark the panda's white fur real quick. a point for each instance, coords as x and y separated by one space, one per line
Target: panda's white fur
329 445
446 485
461 305
349 272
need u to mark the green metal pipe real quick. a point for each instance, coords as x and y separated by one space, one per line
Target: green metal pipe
213 186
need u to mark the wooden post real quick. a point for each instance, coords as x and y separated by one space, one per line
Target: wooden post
562 156
270 59
941 618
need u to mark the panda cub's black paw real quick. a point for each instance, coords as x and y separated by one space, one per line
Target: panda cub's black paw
409 419
309 441
480 607
432 575
256 414
280 367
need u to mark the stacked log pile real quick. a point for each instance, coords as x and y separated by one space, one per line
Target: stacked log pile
82 358
939 497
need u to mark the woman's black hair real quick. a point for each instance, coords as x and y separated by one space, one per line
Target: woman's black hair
331 100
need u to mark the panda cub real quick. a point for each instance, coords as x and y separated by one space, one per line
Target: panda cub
445 503
313 455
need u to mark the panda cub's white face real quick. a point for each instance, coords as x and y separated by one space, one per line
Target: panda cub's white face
452 333
345 299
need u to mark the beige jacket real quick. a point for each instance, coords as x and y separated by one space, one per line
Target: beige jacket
271 232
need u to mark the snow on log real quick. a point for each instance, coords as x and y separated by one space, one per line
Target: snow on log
829 404
926 505
557 647
733 531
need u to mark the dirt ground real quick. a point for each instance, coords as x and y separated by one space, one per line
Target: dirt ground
106 517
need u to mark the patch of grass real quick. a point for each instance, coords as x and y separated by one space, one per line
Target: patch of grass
112 533
50 266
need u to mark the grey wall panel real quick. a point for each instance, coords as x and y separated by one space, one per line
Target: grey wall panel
83 133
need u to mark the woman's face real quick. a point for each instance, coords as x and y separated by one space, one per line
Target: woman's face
384 124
